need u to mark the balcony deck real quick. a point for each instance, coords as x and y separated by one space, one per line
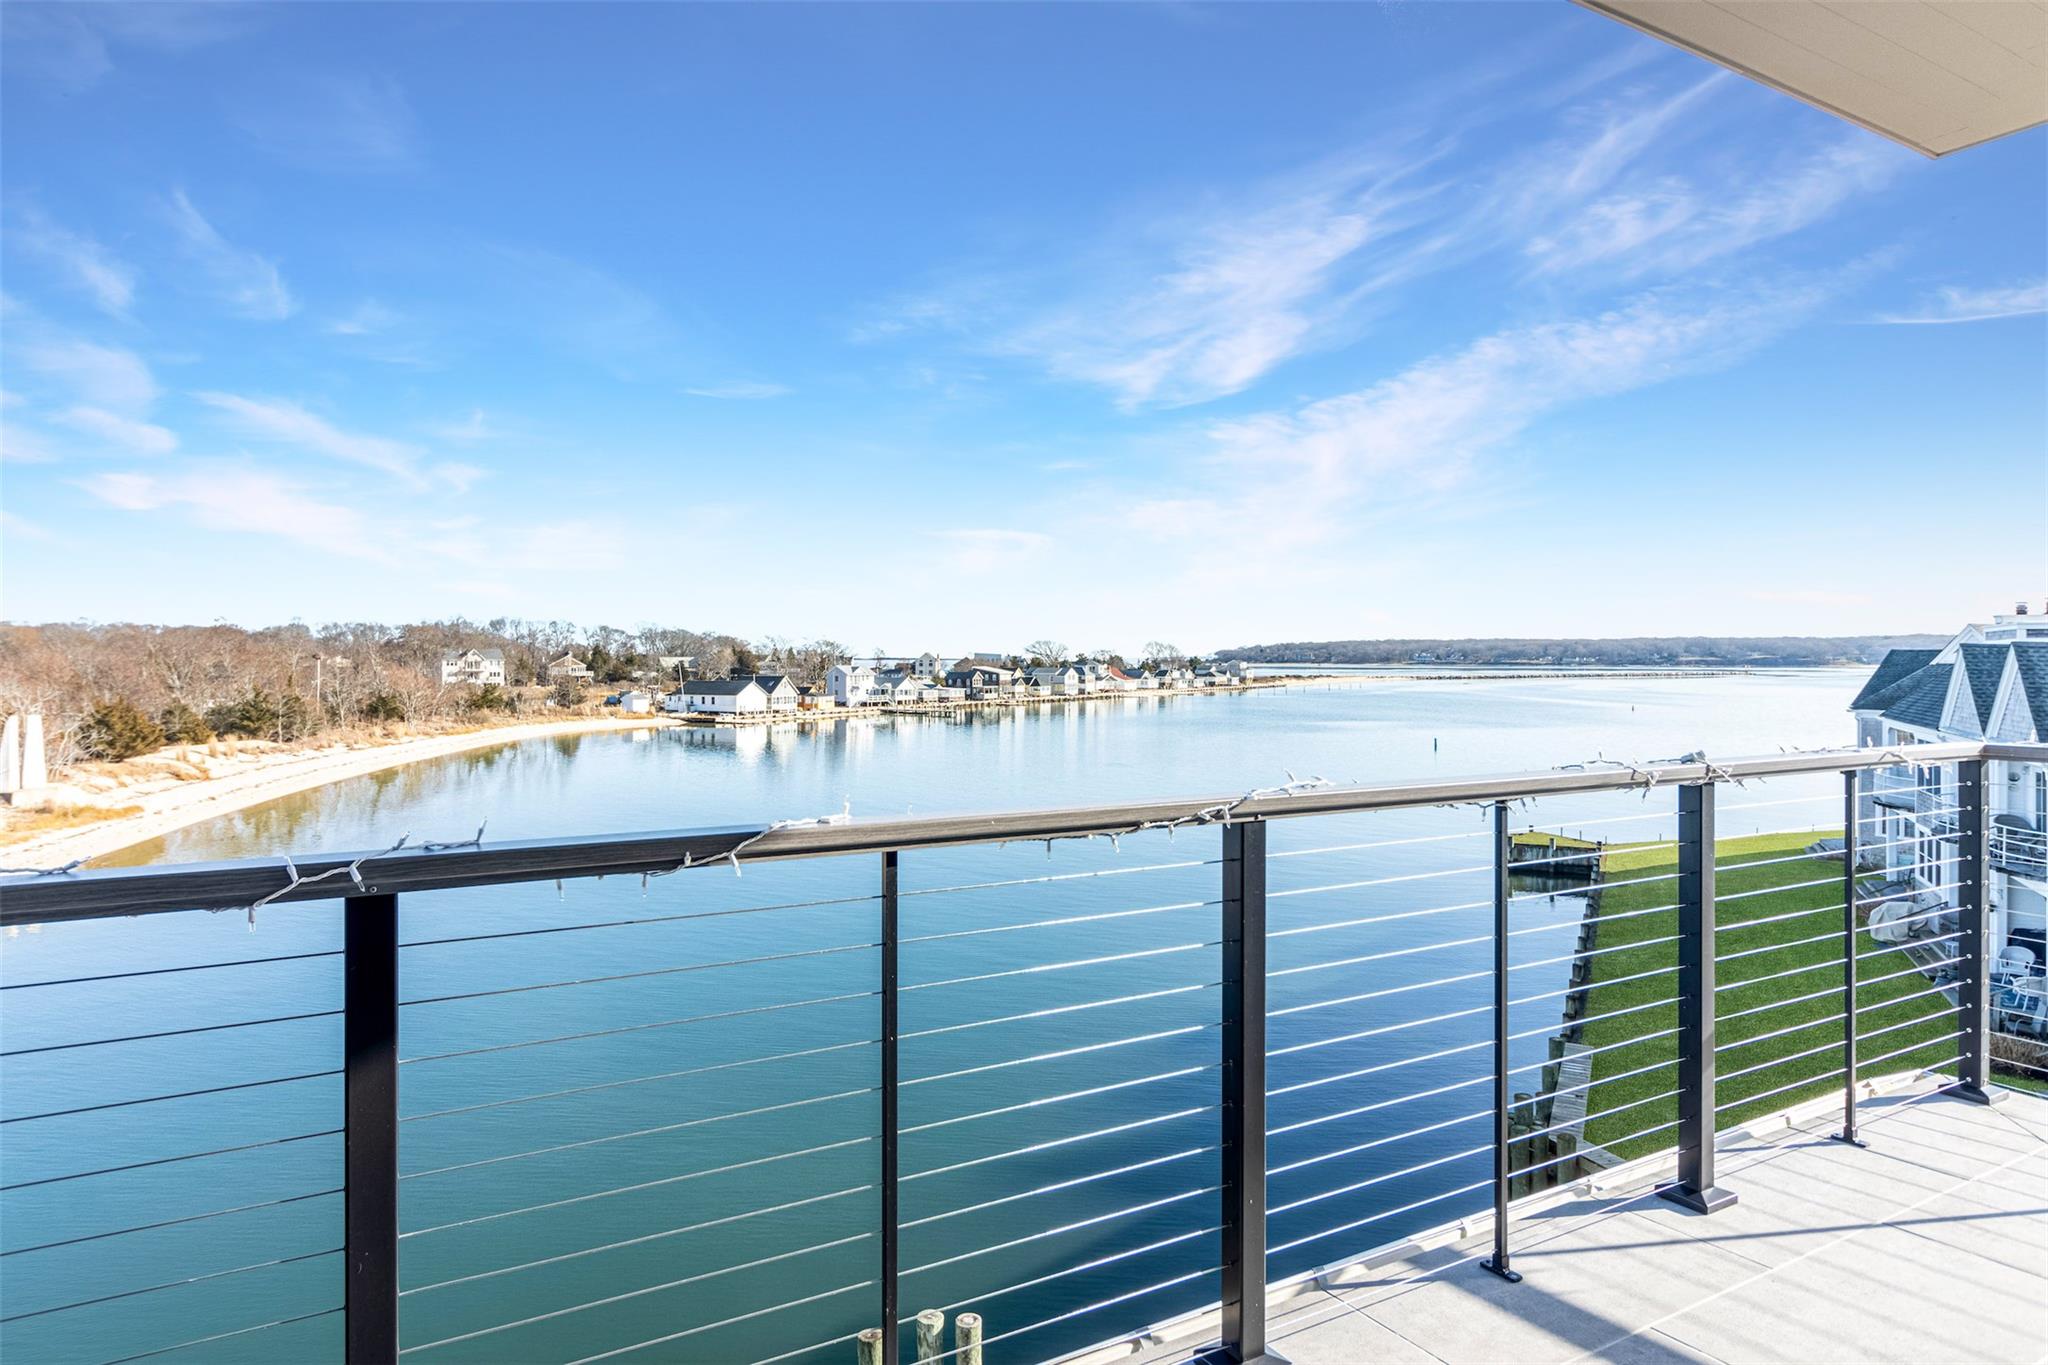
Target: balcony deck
1932 1244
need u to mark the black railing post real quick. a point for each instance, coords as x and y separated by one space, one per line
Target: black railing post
1973 958
370 1141
891 1350
1849 842
1695 1188
1498 1262
1244 1097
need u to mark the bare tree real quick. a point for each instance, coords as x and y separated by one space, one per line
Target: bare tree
1046 652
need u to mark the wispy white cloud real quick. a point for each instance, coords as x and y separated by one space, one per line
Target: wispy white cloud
475 427
1955 303
365 319
332 122
739 389
1672 224
1296 476
290 425
74 46
129 435
19 445
249 284
979 549
98 376
225 496
83 263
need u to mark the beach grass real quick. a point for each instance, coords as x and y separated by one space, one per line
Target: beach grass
1775 1047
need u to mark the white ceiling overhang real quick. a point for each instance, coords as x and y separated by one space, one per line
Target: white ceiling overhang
1936 75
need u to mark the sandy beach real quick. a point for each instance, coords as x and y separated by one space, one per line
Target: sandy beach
165 804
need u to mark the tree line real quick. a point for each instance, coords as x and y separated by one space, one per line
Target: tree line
1648 651
116 690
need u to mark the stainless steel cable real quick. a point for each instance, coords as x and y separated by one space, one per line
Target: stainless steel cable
1068 1141
1375 995
1056 1186
171 1222
1356 1148
722 1322
639 1133
223 1336
1363 1033
1060 923
639 1186
1051 1010
170 1033
181 1095
1043 968
1093 1220
166 971
638 1080
169 1160
1076 1051
1061 1099
1354 1112
638 975
1357 1185
643 919
1357 1223
173 1284
639 1028
1057 877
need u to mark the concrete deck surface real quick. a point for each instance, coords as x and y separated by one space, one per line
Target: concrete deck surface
1931 1244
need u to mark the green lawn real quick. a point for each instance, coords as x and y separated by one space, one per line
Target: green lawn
1794 971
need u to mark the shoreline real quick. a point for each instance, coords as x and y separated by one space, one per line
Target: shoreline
188 803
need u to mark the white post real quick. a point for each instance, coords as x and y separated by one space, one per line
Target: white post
34 772
10 759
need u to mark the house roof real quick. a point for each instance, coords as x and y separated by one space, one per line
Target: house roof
1921 697
770 681
1896 665
1936 78
1983 666
718 687
2030 659
494 655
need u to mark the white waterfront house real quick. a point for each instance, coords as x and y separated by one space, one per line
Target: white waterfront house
1989 682
636 703
781 693
1057 682
724 697
900 687
851 684
567 668
481 667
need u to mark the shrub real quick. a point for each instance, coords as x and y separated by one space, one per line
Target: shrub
182 725
490 697
259 715
383 706
567 693
117 730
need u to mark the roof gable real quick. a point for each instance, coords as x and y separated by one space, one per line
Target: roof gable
1982 667
2030 663
1921 697
1894 667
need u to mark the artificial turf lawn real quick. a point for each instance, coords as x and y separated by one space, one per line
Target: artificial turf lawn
1749 1006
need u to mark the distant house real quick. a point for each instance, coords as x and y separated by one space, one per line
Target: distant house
981 680
781 693
851 684
900 687
567 668
481 667
676 666
1237 670
928 665
636 703
724 697
1057 682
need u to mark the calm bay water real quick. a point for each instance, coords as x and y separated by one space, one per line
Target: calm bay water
681 1081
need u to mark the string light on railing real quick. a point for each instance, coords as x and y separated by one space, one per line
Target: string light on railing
353 869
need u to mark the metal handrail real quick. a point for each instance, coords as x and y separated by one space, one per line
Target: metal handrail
229 885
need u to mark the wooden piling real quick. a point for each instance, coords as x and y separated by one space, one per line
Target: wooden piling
931 1336
869 1346
967 1339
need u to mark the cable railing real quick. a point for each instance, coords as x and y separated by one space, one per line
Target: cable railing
547 1102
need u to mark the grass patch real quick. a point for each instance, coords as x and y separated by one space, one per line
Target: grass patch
1746 895
28 824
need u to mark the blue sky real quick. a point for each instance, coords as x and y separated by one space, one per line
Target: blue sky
961 326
